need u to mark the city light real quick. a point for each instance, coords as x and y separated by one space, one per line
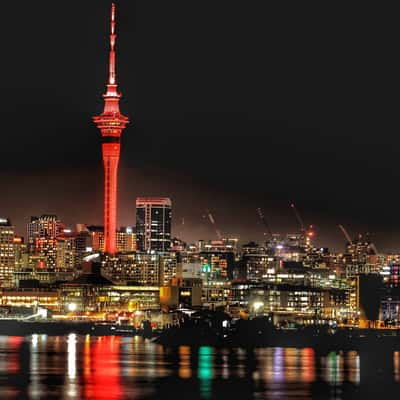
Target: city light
72 307
230 249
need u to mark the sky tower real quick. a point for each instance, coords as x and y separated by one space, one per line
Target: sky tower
111 123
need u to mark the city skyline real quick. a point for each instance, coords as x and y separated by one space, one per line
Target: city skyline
228 230
257 146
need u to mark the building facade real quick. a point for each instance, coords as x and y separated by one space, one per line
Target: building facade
153 223
7 253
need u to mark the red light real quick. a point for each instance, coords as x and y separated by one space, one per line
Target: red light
311 234
111 123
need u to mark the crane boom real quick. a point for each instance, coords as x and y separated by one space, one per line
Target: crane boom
298 217
373 247
346 235
264 221
212 220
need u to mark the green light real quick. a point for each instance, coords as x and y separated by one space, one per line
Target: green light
205 371
206 268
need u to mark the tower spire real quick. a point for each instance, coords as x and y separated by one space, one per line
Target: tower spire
111 123
112 79
112 96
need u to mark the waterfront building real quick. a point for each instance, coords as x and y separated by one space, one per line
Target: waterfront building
153 224
390 309
93 292
7 252
292 300
31 297
215 294
42 275
182 292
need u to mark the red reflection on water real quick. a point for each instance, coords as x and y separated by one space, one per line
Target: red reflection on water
86 358
101 371
308 364
396 362
14 343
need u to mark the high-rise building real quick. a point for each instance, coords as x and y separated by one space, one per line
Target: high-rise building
96 237
111 124
125 237
126 240
42 239
7 254
82 246
66 251
46 250
256 262
20 251
153 223
47 226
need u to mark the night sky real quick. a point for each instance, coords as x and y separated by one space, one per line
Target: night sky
234 106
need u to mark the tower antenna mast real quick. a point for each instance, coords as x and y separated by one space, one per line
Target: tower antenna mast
111 123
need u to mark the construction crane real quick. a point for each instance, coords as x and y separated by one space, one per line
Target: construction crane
373 247
306 232
346 235
212 220
299 219
264 221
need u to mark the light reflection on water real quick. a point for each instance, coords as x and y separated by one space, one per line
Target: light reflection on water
114 368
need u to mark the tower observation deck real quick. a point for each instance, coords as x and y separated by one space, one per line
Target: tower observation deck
111 124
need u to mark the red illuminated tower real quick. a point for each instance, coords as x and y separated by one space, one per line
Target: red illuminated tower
111 123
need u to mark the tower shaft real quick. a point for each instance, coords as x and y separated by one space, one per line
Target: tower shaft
110 162
111 124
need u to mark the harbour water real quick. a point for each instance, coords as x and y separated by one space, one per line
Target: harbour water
85 367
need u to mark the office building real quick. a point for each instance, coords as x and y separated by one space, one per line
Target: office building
126 240
7 253
153 223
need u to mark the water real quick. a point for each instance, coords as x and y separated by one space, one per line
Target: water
84 367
